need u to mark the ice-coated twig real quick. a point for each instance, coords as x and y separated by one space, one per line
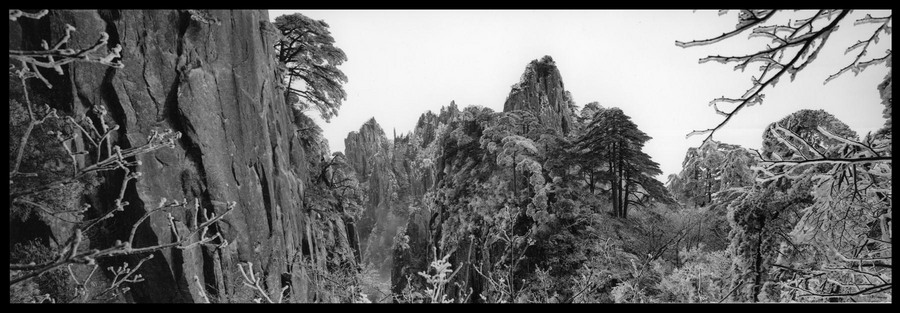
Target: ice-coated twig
805 43
252 281
16 14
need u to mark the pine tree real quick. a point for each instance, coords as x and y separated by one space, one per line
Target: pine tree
309 56
613 138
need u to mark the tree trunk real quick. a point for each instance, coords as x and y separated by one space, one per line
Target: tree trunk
677 254
699 231
592 181
757 266
619 176
515 188
625 199
613 180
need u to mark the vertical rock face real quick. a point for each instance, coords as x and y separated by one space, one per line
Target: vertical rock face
213 78
369 153
541 92
393 182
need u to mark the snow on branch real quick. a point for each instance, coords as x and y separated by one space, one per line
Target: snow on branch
797 45
754 21
252 280
819 158
16 14
71 253
857 66
57 56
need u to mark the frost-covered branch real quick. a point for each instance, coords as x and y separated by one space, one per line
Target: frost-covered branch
72 254
54 58
819 158
122 274
438 281
252 280
856 66
23 75
16 14
806 43
753 21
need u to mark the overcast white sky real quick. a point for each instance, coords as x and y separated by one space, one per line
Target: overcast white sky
403 63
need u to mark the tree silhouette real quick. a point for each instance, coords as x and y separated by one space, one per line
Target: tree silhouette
614 138
308 54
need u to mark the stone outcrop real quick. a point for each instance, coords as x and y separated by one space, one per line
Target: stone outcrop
213 78
541 92
369 152
393 181
428 123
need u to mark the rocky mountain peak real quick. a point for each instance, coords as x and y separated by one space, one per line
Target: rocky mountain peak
541 91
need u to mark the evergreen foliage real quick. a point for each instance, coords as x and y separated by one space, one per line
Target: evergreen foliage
309 56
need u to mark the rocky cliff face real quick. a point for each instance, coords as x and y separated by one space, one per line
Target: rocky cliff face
541 92
369 152
213 78
395 181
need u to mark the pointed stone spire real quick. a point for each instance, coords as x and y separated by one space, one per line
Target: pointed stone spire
541 91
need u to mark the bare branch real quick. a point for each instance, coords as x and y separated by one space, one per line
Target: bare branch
123 274
856 66
755 22
56 57
252 281
16 14
754 94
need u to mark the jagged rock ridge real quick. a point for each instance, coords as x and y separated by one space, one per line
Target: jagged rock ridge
394 182
541 92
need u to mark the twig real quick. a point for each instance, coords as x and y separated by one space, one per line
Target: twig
123 275
727 35
731 292
15 14
754 94
201 289
250 280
